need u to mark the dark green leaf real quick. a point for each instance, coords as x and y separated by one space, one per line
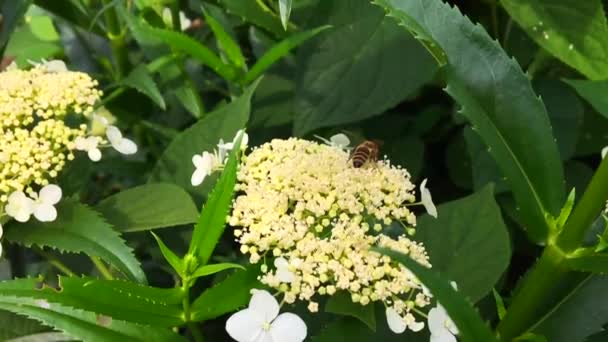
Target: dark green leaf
594 92
343 330
591 263
143 82
226 43
12 12
173 260
227 296
498 99
80 324
175 165
574 31
341 304
26 46
279 51
470 325
148 207
214 268
71 11
363 66
251 12
79 229
43 337
14 326
581 312
468 233
210 226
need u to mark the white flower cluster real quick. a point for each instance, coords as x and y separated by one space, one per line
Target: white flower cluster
208 162
306 206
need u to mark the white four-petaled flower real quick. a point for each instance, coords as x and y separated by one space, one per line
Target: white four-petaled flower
42 205
204 165
283 273
441 325
427 200
230 145
118 142
184 22
90 145
261 322
398 324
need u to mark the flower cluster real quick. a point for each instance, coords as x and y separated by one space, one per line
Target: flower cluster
305 205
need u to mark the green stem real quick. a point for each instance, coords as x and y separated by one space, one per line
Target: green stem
538 63
542 285
101 267
55 262
586 211
117 40
196 333
494 14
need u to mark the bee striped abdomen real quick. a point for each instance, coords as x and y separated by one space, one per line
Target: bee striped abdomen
365 152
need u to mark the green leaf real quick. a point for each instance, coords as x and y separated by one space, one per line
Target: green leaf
79 229
472 236
363 66
180 42
581 312
143 82
251 12
175 165
42 337
210 226
341 304
148 207
499 101
284 12
173 260
500 304
472 328
593 92
597 263
73 12
113 298
343 330
574 31
14 326
80 324
227 296
26 46
279 51
12 12
226 43
215 268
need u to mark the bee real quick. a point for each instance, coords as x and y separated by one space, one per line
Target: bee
365 152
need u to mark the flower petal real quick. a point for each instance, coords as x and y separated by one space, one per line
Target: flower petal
94 154
244 326
436 318
416 326
1 232
427 200
197 160
443 336
198 176
263 304
19 206
604 152
55 66
45 212
281 262
114 135
50 194
288 327
395 322
125 146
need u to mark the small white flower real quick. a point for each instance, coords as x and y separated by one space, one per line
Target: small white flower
441 326
398 324
118 142
19 206
229 146
204 165
261 322
283 273
223 149
427 200
89 145
44 203
339 140
604 152
184 22
11 67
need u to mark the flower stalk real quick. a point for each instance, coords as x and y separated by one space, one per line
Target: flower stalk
117 40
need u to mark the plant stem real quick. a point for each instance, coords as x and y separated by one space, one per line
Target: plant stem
105 272
55 262
587 210
196 333
541 286
494 14
538 63
117 40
